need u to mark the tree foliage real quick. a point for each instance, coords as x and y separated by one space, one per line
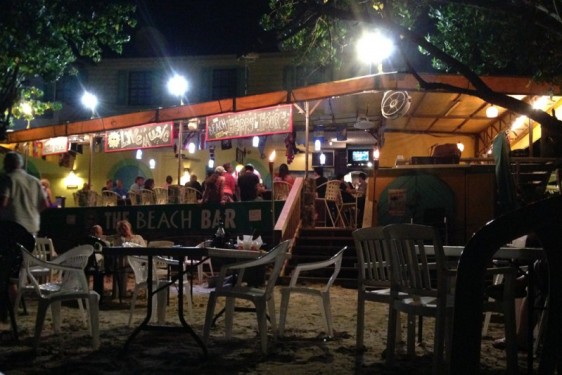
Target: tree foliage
469 37
44 38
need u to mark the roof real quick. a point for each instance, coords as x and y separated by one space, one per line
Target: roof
340 103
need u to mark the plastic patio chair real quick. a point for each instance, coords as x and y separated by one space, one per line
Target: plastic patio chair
373 263
109 198
262 298
71 285
410 274
323 294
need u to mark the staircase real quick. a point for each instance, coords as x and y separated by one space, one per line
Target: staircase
316 244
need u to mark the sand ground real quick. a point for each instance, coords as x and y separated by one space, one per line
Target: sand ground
303 350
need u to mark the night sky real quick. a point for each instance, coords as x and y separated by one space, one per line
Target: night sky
199 27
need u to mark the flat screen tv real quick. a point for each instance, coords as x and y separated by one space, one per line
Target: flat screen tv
359 157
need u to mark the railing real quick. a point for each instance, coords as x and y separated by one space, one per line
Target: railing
289 220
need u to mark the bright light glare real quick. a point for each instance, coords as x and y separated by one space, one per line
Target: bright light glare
460 146
177 85
272 156
322 159
89 101
373 47
255 141
26 108
211 163
191 148
317 145
152 163
376 154
492 111
139 154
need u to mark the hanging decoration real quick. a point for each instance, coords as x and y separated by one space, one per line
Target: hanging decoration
291 147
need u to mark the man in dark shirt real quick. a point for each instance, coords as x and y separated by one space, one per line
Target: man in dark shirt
248 184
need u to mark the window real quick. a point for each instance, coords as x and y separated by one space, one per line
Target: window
299 76
141 88
223 83
68 90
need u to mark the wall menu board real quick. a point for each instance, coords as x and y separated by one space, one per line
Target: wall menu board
145 136
53 146
265 121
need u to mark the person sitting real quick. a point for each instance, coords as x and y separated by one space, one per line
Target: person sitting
120 189
149 184
346 189
125 234
137 185
284 175
108 185
320 181
168 183
194 184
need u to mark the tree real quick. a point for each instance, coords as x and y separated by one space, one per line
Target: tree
45 38
469 37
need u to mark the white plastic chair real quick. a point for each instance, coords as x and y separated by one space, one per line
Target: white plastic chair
200 267
161 195
44 250
262 298
71 285
139 264
323 293
281 190
109 198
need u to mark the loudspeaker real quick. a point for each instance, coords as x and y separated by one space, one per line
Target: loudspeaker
76 147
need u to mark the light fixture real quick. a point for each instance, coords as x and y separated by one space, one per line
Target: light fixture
90 101
191 148
139 154
177 86
211 163
152 163
376 154
460 146
185 177
373 48
492 111
317 145
255 141
322 159
72 181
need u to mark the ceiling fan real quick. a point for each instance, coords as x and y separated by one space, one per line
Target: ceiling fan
395 104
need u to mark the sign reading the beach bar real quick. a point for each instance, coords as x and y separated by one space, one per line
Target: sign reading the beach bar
145 136
265 121
57 145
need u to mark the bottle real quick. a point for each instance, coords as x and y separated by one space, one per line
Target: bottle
220 235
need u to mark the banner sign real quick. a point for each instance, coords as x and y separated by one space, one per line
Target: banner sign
265 121
53 146
145 136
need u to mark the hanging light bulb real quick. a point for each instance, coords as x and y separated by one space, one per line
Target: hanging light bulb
460 146
322 159
211 163
255 141
492 111
139 154
191 148
152 163
376 154
317 145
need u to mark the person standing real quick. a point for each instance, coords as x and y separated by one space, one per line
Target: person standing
229 183
48 193
214 187
320 181
248 184
22 197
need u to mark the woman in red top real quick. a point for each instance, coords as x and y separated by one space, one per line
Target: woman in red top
229 189
284 175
